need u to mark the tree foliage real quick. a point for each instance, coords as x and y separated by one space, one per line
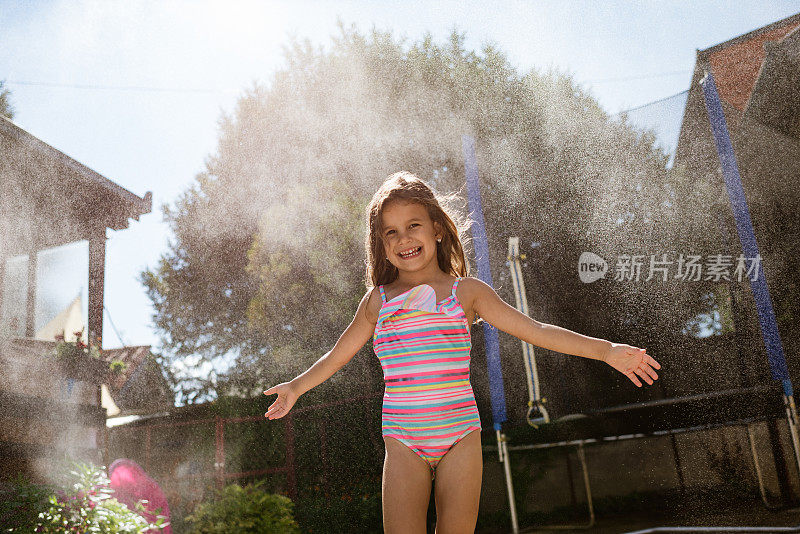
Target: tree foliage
6 110
266 265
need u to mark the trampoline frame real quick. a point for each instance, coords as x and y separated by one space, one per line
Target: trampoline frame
580 443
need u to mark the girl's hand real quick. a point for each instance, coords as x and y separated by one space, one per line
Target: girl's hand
632 361
287 396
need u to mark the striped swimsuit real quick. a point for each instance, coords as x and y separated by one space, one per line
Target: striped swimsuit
423 347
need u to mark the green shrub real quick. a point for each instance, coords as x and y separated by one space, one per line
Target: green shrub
246 509
20 504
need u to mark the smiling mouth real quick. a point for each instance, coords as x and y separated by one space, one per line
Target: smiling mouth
413 254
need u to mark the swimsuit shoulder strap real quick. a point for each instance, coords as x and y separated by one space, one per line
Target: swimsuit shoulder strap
455 284
383 295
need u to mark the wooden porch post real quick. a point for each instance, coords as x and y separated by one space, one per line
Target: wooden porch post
30 304
2 280
3 253
97 263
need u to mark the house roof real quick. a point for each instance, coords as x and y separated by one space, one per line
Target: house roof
737 63
129 204
742 69
775 100
133 357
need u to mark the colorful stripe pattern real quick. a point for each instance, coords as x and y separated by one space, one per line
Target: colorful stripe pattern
423 347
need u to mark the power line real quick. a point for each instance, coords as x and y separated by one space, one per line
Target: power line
650 103
119 87
114 327
218 91
645 77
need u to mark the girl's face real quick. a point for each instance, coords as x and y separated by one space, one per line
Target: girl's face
409 235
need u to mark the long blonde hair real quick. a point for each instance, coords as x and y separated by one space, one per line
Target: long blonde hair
406 186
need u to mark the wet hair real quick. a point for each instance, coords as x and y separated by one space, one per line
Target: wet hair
405 186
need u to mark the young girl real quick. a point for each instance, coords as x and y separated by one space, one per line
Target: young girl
418 311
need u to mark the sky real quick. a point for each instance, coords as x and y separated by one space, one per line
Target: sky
134 89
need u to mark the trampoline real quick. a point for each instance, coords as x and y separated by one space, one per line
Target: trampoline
733 407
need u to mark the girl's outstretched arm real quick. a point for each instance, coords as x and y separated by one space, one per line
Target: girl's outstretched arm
628 360
354 337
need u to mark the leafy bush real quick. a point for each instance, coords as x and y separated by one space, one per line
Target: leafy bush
20 504
86 505
244 509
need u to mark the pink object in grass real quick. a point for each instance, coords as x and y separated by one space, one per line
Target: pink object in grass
131 484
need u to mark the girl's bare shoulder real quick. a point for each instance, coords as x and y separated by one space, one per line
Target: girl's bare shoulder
373 304
468 287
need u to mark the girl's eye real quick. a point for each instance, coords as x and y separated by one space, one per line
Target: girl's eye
410 226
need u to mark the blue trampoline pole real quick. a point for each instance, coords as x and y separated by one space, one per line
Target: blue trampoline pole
491 337
744 227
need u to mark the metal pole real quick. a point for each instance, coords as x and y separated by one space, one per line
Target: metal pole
219 460
791 418
502 450
537 413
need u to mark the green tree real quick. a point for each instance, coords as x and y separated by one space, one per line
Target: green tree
5 101
266 269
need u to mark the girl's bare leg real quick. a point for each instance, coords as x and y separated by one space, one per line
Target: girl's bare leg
458 486
406 490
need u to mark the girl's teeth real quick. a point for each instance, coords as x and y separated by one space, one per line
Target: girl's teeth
412 254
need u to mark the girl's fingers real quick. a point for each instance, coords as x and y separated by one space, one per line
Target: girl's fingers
648 363
649 370
279 408
633 378
278 404
640 363
649 359
644 375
